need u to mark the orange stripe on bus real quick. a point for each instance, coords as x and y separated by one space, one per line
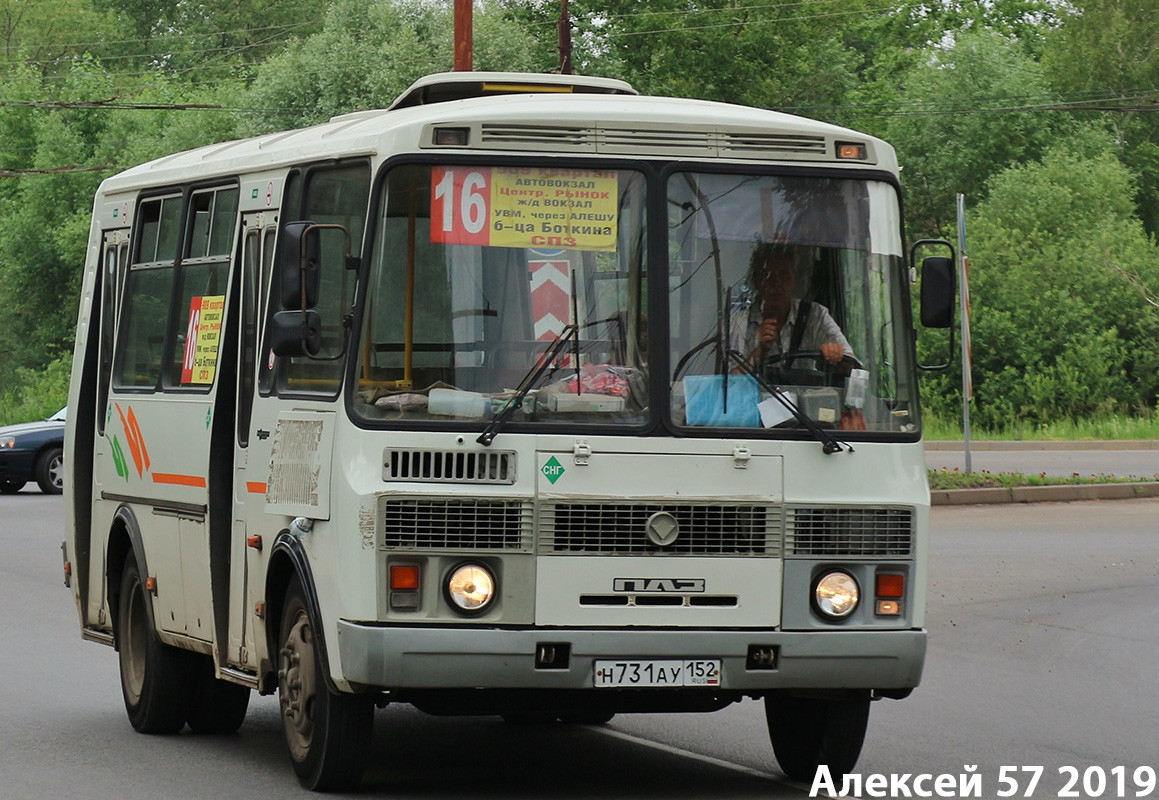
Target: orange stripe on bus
255 488
179 480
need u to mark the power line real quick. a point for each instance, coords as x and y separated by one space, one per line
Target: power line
745 23
58 105
22 173
162 38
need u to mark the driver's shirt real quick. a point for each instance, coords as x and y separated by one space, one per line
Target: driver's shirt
820 328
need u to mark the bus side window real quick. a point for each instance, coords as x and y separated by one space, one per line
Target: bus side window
268 289
197 325
108 318
251 262
333 195
148 291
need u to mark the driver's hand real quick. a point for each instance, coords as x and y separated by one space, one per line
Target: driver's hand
768 332
832 351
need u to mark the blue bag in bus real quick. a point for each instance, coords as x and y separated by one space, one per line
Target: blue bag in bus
704 401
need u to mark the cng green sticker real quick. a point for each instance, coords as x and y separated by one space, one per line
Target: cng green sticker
552 470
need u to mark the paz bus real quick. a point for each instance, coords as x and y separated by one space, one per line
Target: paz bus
440 404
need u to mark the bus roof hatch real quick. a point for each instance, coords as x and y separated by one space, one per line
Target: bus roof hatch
444 86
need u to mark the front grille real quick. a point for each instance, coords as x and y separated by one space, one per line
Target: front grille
470 524
849 532
452 466
610 528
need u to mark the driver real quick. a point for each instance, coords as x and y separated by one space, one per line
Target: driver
777 323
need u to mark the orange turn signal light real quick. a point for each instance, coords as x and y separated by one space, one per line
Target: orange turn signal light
854 151
404 577
891 586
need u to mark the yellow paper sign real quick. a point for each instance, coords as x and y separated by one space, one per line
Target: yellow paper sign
570 209
203 336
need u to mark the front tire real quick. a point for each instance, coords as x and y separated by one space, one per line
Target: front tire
50 471
328 734
807 732
157 680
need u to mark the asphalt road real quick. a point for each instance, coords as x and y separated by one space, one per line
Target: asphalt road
1042 652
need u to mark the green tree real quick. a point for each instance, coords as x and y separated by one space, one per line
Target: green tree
1105 54
368 52
1060 269
973 110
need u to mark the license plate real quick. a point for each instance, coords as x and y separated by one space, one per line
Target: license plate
658 672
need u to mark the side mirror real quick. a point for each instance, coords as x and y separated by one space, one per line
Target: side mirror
295 333
937 292
299 265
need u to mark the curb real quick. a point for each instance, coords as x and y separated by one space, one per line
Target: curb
1045 494
1084 444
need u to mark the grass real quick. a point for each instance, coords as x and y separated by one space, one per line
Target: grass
1110 428
984 479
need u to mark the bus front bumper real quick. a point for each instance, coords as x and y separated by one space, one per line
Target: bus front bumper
405 657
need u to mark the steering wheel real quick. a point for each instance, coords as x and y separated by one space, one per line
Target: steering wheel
831 372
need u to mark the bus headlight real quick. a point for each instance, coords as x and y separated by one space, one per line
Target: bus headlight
836 594
471 587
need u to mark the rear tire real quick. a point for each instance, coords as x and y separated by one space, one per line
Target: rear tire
218 707
11 487
157 680
50 471
328 734
807 732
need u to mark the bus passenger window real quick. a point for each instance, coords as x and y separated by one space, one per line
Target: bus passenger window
148 293
202 277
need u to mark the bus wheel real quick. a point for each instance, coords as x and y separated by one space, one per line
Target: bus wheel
218 706
809 731
328 734
156 680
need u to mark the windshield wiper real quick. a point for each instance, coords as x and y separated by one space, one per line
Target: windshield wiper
829 444
529 380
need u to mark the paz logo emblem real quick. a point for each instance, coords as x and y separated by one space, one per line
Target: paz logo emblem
552 470
662 529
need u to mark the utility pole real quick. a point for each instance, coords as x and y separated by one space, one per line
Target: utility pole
964 299
564 39
464 54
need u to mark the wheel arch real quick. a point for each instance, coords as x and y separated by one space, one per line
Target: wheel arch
124 538
287 559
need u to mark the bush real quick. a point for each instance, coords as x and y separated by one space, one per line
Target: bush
36 394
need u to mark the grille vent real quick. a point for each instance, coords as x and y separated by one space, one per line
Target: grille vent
439 466
619 529
468 524
742 143
537 135
850 532
710 142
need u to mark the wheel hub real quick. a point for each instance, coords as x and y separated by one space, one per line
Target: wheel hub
297 687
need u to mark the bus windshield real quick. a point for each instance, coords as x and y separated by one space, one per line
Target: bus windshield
791 286
475 271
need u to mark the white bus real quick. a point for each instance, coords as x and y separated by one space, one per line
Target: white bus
467 404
